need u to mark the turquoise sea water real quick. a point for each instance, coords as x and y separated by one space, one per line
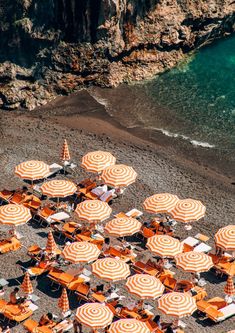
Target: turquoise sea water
199 96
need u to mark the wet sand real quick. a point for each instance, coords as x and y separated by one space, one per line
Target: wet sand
83 121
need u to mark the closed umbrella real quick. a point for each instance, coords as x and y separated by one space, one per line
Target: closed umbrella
26 285
65 155
97 161
229 288
51 246
63 302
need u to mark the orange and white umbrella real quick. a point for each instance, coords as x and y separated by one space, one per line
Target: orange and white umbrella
58 188
94 315
63 302
160 203
119 175
229 288
97 161
145 286
14 215
188 210
177 304
32 170
80 252
128 326
93 211
123 226
51 246
111 269
65 155
225 238
26 285
164 245
194 262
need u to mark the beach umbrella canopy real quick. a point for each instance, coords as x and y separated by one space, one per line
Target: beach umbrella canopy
65 155
51 246
160 203
188 210
94 315
111 269
14 215
63 302
26 285
164 245
145 286
194 262
93 211
225 238
124 226
119 175
128 326
229 288
32 170
58 188
177 304
96 161
80 252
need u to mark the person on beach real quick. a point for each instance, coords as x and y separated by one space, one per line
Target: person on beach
77 327
14 297
46 319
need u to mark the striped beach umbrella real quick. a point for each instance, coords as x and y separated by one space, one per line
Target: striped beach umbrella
145 286
160 203
26 285
32 170
229 288
194 262
111 269
177 304
119 175
80 252
164 245
225 238
94 315
65 155
188 210
51 246
63 302
96 161
58 188
128 326
123 226
93 211
14 215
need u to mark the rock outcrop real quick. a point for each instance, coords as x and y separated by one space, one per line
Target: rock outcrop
51 47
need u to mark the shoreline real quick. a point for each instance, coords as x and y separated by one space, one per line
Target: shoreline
83 112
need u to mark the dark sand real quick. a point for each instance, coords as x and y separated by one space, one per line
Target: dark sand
80 119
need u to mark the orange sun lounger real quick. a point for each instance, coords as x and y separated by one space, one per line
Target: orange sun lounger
13 244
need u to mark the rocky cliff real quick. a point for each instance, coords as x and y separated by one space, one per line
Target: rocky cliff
51 47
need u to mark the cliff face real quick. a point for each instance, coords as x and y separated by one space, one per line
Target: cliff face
50 47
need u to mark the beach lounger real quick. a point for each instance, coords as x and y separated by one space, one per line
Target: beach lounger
5 195
17 198
43 214
82 292
191 241
13 244
134 213
202 247
54 168
221 314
